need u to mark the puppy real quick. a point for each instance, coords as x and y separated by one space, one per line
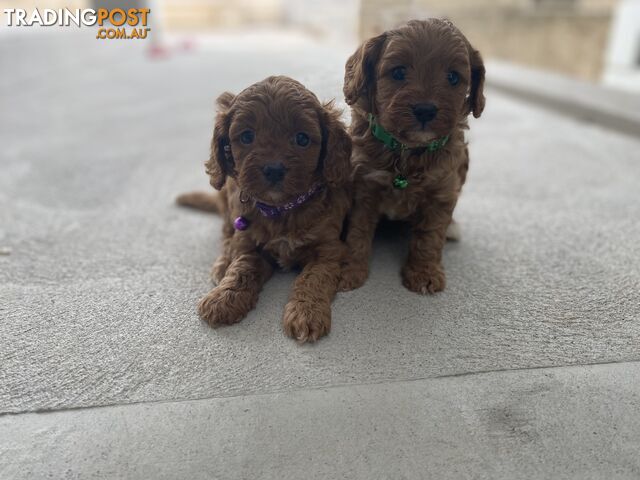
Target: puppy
281 161
410 91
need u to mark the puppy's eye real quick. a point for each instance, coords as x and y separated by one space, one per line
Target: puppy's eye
399 73
302 139
247 137
453 78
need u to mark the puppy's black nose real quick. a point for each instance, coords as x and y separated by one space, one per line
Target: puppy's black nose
274 173
424 112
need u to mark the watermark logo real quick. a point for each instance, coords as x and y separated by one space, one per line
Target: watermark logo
116 23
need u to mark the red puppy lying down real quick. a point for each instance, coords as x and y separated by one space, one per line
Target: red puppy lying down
281 162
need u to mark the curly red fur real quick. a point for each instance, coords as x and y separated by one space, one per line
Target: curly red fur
276 110
428 51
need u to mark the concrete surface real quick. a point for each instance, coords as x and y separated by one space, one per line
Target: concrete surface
589 102
98 294
548 423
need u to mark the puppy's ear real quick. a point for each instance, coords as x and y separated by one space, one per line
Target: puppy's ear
476 94
220 163
335 154
359 75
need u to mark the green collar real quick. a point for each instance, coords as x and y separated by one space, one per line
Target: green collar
393 144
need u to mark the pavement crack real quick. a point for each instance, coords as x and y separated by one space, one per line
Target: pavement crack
316 388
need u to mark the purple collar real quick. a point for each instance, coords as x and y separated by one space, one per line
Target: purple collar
273 211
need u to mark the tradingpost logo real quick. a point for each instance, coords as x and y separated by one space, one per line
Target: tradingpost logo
115 23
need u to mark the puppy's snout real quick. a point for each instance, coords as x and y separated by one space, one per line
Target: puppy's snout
424 112
274 173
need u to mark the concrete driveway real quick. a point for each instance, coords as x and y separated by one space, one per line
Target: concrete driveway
525 367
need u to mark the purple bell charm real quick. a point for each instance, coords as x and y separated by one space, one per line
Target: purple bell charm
241 223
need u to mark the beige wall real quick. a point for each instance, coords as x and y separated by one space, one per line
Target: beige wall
206 14
568 36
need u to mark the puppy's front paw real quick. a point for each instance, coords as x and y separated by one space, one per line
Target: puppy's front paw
353 275
306 321
223 307
424 279
219 269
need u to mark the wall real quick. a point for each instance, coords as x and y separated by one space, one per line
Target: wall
567 36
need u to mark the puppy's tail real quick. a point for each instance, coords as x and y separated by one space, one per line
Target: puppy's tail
209 202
